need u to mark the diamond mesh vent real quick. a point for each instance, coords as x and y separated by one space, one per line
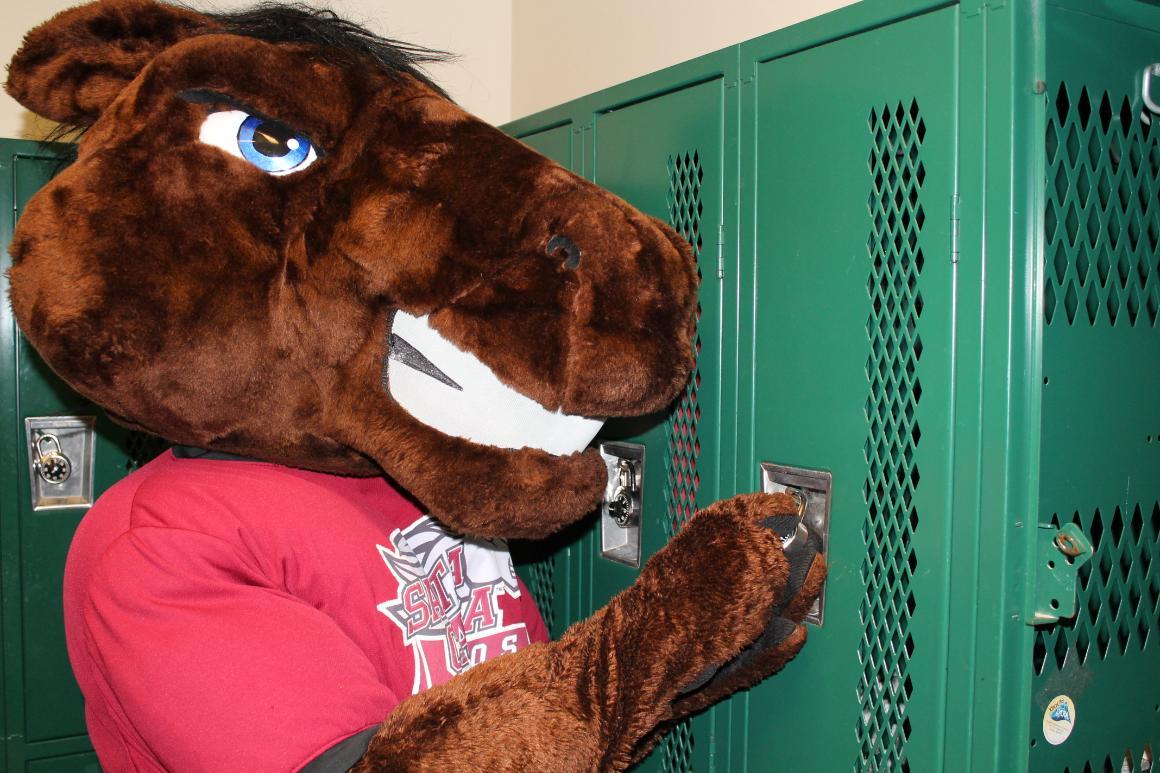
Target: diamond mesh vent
1128 763
682 479
677 752
684 197
142 448
1118 591
541 579
684 446
1102 217
886 646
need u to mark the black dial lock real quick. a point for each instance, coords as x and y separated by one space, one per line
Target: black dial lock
621 506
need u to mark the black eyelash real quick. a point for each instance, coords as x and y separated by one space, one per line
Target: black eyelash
211 97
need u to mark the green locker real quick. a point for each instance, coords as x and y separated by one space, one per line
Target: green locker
861 324
43 712
1100 445
666 155
937 278
664 152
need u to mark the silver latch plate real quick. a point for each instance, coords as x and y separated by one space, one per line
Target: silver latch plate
814 488
623 507
74 437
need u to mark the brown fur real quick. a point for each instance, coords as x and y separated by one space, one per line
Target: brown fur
217 306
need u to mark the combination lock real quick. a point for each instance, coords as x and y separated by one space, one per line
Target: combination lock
50 462
620 514
621 506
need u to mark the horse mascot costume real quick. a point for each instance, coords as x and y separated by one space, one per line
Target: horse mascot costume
380 334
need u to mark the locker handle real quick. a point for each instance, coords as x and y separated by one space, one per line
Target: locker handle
1150 72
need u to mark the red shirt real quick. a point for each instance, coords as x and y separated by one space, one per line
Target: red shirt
234 615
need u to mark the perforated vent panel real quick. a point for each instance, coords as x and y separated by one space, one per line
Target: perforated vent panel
1133 761
1102 217
684 446
1098 468
896 213
1118 620
677 751
1119 590
541 579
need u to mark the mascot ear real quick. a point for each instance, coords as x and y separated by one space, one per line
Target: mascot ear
71 67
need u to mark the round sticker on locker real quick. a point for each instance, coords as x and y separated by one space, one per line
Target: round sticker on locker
1058 719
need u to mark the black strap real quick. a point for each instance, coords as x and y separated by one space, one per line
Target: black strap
343 755
191 452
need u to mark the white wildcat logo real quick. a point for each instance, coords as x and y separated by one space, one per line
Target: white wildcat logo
447 606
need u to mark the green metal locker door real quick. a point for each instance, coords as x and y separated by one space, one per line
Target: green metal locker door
659 144
664 155
1100 451
43 709
854 163
554 142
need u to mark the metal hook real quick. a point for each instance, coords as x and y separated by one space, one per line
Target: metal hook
1152 70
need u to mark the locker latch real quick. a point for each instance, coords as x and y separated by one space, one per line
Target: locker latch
60 460
811 490
622 507
1061 552
620 514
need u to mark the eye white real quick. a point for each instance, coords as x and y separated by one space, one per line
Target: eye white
221 129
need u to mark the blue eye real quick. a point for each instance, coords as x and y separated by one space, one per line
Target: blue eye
272 146
269 145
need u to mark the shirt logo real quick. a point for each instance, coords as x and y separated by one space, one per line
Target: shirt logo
447 605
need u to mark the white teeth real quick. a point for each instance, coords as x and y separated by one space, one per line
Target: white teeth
485 410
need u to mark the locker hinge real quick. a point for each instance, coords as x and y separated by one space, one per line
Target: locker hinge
1061 552
721 251
956 220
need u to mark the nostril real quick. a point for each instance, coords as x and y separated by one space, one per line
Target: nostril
565 249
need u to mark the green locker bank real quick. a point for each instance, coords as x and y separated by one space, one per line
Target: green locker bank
42 721
929 240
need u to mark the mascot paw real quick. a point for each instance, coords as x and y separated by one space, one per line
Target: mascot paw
783 634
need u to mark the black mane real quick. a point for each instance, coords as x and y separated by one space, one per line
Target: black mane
336 38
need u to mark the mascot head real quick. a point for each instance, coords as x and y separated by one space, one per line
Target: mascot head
280 240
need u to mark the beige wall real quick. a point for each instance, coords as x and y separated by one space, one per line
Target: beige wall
515 56
565 50
479 31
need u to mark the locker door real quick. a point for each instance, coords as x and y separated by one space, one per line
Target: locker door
854 160
43 708
555 143
1100 443
665 156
